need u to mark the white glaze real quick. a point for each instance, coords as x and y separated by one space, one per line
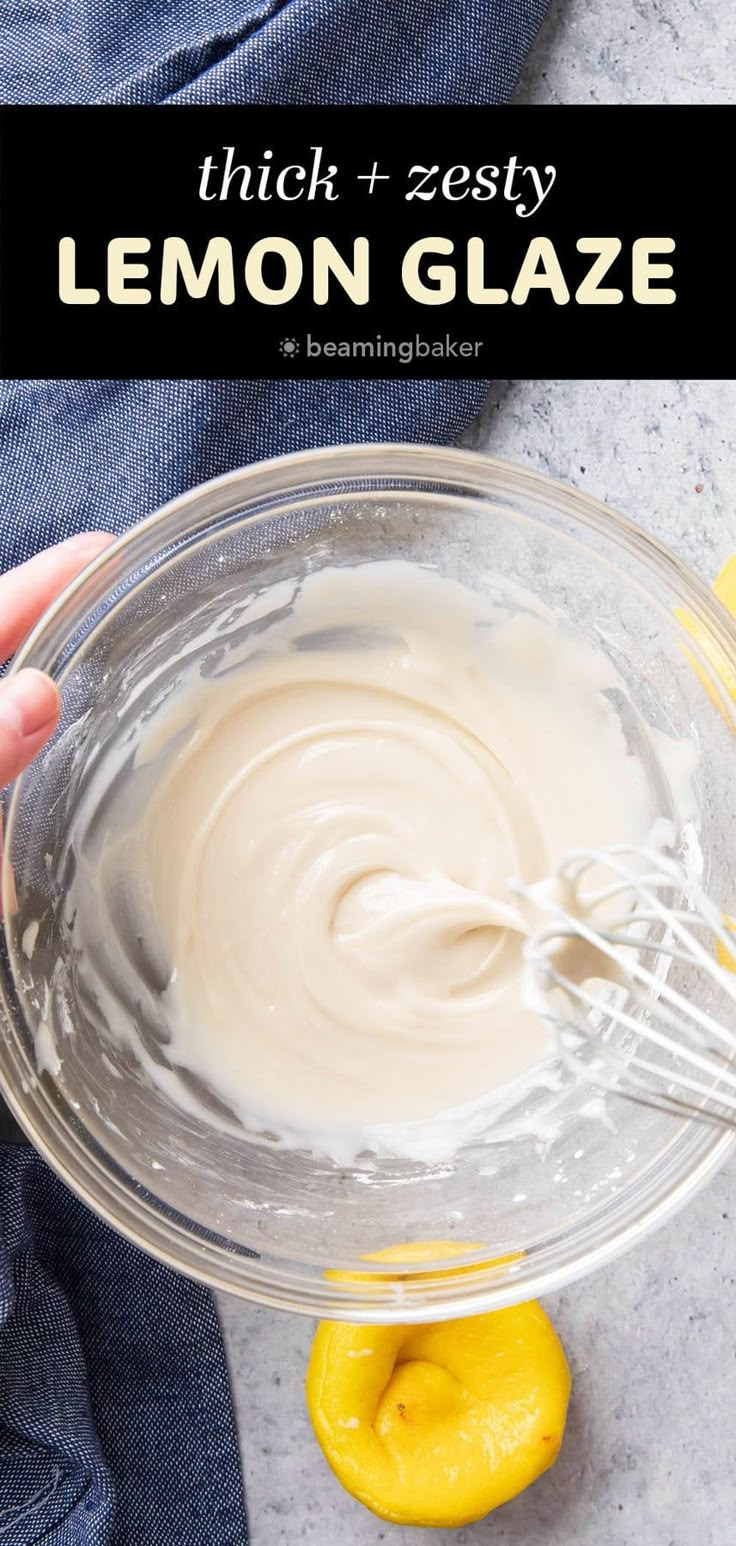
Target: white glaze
323 850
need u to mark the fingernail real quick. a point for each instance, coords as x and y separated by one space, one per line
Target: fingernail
28 702
86 542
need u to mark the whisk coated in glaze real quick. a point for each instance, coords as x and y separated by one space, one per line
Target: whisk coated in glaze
627 977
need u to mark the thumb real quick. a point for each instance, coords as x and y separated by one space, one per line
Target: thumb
29 711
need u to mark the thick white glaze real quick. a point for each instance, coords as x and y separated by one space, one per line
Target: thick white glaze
324 846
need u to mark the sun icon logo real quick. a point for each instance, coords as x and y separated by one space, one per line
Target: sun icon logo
289 346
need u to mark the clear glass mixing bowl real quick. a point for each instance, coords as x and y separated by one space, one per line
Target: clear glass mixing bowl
281 1227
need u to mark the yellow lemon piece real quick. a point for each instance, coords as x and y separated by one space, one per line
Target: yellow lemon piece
439 1424
417 1252
724 587
726 957
422 1251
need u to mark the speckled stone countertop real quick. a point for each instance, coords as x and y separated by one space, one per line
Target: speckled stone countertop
648 1458
633 51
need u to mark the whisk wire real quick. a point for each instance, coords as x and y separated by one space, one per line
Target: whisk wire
695 1076
667 1043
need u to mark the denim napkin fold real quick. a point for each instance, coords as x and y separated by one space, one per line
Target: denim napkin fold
116 1423
264 50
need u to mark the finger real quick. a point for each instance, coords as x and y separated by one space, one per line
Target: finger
25 592
29 712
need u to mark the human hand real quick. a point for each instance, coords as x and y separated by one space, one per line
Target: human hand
29 701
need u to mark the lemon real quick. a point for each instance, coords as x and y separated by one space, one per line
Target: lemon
726 957
439 1424
724 587
417 1253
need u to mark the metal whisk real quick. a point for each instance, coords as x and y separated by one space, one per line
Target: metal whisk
627 975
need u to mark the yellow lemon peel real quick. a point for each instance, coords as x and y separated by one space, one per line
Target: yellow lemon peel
437 1425
418 1251
724 587
726 957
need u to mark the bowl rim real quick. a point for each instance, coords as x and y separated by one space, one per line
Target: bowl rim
442 1292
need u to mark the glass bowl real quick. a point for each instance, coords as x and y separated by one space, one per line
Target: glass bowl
524 1214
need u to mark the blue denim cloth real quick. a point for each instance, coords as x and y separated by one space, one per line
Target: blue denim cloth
264 50
116 1425
104 453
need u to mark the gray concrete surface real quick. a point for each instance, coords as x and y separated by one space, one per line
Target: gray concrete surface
634 51
649 1457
